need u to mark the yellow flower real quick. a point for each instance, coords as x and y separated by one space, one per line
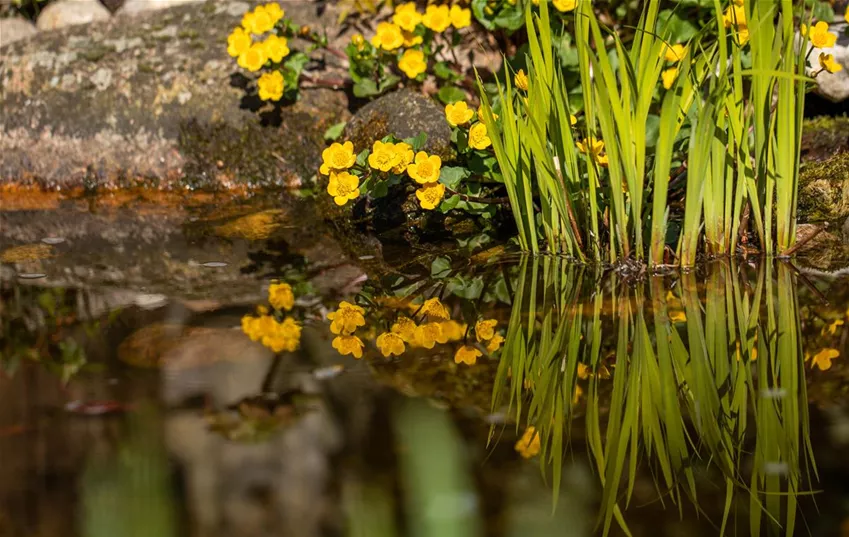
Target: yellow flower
742 35
383 156
253 58
832 328
466 355
270 86
280 296
591 146
565 5
819 35
276 48
411 39
348 345
485 329
521 80
452 330
827 63
390 343
576 397
425 169
846 16
823 358
274 11
406 328
494 343
412 63
675 53
480 113
437 18
677 316
238 41
388 36
338 157
735 16
429 334
435 309
258 21
405 154
583 371
359 41
478 138
346 318
573 120
343 187
407 17
458 113
528 446
460 17
430 195
668 76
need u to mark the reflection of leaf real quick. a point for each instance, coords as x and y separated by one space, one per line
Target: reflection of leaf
465 288
440 267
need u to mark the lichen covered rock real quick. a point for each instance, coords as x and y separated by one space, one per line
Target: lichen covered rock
823 137
14 29
71 12
824 190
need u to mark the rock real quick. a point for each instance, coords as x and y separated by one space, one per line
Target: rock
833 86
137 6
71 12
15 28
154 99
405 114
825 251
823 137
824 190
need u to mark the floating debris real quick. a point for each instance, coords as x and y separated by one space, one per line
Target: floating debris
31 275
324 373
214 264
53 240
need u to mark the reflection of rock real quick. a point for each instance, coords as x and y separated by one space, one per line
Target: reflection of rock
71 12
15 28
154 98
825 251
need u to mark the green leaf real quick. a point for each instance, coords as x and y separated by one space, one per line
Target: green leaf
418 142
465 288
335 131
443 70
440 268
296 62
451 94
449 203
451 176
362 157
674 28
365 88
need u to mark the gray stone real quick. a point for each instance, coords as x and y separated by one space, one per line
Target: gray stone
15 28
71 12
131 7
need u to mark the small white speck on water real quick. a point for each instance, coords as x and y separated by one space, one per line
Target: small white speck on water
214 264
31 275
52 240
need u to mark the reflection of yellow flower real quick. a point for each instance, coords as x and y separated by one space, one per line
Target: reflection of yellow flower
528 446
343 187
405 155
437 18
565 5
429 334
238 41
478 138
280 296
406 328
407 17
677 316
675 53
383 156
583 371
576 397
276 48
495 343
338 157
466 355
270 86
425 169
521 80
253 58
278 337
412 63
460 17
348 345
388 36
819 35
390 343
823 358
485 329
832 327
435 309
668 77
452 330
347 318
827 63
430 195
458 113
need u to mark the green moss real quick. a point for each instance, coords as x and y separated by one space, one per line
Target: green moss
188 34
821 136
824 190
96 52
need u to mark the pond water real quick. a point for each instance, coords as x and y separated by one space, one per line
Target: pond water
680 404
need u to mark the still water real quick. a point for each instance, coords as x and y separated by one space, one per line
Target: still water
530 397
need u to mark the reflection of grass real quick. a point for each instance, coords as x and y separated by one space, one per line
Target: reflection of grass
695 376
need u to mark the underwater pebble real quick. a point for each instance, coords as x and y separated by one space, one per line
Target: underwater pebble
53 240
214 264
324 373
31 275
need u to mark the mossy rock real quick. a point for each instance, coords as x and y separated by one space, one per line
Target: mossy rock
824 190
823 137
155 99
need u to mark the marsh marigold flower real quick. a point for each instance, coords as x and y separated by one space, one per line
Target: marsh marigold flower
452 330
238 42
437 18
430 195
276 48
435 309
411 39
383 156
274 11
388 36
407 17
259 20
253 58
485 329
819 35
478 137
285 337
405 155
458 113
270 86
337 158
529 445
668 77
735 15
675 53
521 80
390 343
425 168
467 355
591 146
280 296
348 345
405 328
823 358
495 343
412 63
343 187
427 335
565 5
827 63
347 318
460 17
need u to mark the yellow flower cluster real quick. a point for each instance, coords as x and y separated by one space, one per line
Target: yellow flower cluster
336 161
594 148
485 332
263 18
280 296
521 80
277 336
529 445
735 17
386 156
425 170
344 322
253 56
459 114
